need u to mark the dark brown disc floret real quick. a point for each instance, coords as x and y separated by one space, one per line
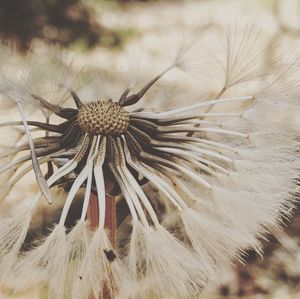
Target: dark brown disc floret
103 118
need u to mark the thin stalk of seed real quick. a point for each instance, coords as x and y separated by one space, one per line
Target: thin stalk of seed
37 170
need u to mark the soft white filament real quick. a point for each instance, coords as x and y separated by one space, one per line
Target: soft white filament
100 184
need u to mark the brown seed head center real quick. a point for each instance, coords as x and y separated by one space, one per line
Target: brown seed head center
103 118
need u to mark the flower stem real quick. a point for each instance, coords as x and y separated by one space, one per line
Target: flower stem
110 220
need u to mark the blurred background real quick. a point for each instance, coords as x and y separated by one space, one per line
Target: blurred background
104 34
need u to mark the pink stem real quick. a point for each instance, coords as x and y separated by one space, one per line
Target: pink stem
110 220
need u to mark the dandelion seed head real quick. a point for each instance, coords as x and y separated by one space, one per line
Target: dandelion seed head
198 184
103 118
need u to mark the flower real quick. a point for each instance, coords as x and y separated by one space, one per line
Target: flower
224 175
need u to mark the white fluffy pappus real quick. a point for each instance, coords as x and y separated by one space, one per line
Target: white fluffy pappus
152 252
13 231
98 275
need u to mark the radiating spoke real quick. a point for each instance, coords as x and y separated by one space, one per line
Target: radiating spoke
90 167
132 182
154 179
99 179
205 103
75 187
